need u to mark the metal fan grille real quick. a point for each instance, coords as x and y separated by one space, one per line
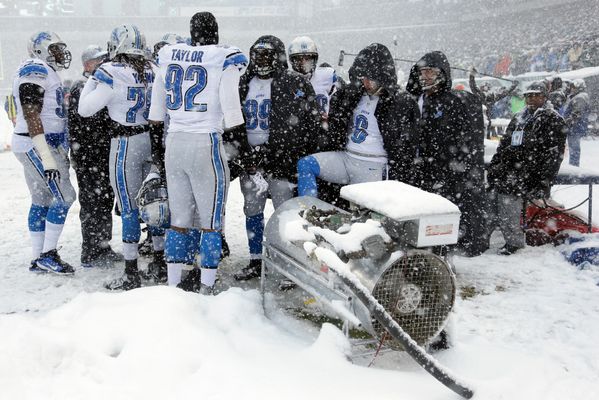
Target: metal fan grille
418 291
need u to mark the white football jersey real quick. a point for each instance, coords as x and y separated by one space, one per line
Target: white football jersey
323 81
365 141
129 103
53 113
256 109
191 77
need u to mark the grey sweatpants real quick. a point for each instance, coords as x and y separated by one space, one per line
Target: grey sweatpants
507 211
280 191
342 168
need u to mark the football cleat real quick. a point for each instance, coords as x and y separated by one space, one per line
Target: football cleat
206 290
157 268
253 270
191 282
34 268
128 281
50 261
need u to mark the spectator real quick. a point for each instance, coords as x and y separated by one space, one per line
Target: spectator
576 113
90 150
448 151
525 164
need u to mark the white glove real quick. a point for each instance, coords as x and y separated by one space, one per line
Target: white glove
259 182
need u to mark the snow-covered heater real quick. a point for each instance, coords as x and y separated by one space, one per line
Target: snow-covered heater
389 243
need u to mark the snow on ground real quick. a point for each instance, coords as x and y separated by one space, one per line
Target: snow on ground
525 329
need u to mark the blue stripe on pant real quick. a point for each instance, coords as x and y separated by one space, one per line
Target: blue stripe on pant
120 175
219 172
58 210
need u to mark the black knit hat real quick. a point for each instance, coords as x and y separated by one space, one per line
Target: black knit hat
203 29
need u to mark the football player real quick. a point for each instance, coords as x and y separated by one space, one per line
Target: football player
303 55
281 126
40 144
197 88
123 86
367 120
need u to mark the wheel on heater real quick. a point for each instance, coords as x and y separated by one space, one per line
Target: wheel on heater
418 291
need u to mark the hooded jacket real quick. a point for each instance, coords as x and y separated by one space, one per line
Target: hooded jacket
526 163
395 111
294 121
448 149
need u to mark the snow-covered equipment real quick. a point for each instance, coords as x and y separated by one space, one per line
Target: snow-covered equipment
379 267
152 201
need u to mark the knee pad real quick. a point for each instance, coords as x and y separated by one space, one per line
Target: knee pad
57 213
210 249
131 226
177 245
37 218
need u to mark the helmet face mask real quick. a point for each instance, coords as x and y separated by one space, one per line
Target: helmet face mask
304 63
264 60
49 47
303 55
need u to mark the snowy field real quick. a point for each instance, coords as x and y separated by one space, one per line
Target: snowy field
528 328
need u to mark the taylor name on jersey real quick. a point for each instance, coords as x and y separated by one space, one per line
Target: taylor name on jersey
191 77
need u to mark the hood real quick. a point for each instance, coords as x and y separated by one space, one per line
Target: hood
376 63
435 59
279 47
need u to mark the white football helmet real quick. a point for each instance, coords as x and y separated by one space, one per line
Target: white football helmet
169 38
303 55
152 201
126 39
48 46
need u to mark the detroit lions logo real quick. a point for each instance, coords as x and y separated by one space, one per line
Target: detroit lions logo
41 37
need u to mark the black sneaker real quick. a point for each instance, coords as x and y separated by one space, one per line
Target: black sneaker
287 284
253 270
50 261
191 282
157 268
128 281
107 254
34 268
508 250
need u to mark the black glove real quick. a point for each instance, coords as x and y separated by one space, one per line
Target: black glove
52 175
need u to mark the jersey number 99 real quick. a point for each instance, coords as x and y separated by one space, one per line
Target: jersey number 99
175 75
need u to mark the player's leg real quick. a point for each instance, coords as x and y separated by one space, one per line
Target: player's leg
179 246
127 157
328 166
210 185
58 196
360 171
280 190
40 203
253 209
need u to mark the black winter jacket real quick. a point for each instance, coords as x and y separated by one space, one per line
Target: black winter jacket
448 147
395 111
294 122
529 154
89 137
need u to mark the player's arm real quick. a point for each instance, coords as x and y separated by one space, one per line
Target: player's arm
156 120
31 96
96 93
229 98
